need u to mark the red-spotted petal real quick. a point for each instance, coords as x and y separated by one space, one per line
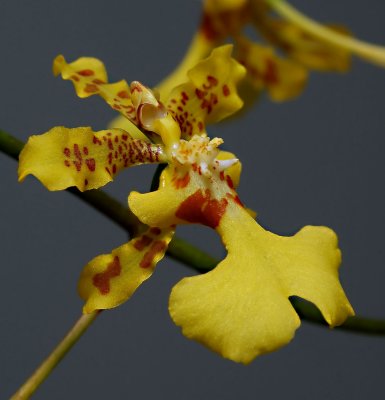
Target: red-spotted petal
79 157
111 279
210 94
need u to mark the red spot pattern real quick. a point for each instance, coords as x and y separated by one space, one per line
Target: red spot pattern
270 75
91 88
238 200
143 242
119 99
181 183
148 259
86 72
102 280
207 95
229 182
235 198
98 81
123 94
91 164
200 208
208 29
225 90
211 82
120 152
155 231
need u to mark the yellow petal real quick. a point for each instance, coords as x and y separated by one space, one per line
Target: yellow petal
79 157
282 78
158 208
241 308
109 280
89 77
210 94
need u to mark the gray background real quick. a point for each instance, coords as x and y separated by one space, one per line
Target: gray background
317 160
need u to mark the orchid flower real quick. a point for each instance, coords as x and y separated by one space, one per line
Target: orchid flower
240 309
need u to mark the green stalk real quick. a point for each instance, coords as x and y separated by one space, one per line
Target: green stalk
43 371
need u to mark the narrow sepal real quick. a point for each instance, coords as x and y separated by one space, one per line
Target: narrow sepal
111 279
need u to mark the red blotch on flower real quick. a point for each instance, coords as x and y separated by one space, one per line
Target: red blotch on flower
149 257
143 242
102 280
91 164
91 88
225 90
155 231
86 72
181 183
208 29
229 182
123 94
270 76
212 81
78 161
200 208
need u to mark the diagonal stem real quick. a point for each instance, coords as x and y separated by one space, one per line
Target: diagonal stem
42 372
186 253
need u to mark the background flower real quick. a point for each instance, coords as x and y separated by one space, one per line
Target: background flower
317 160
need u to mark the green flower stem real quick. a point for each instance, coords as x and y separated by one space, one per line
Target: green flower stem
184 252
368 51
42 372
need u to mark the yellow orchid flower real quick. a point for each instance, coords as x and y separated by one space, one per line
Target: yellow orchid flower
241 308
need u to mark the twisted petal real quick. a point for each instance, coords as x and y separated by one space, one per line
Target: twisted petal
210 94
282 78
79 157
89 77
110 279
241 308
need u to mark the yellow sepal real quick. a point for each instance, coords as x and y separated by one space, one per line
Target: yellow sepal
111 279
89 77
80 157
